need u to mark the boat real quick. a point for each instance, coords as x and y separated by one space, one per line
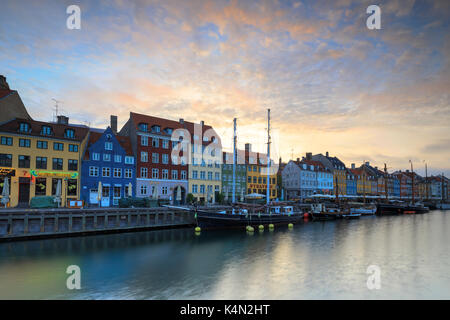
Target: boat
322 213
241 217
443 206
351 215
365 211
389 209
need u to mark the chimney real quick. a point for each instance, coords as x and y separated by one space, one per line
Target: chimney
353 166
367 163
113 124
308 156
3 83
181 120
202 123
298 159
327 154
63 120
248 147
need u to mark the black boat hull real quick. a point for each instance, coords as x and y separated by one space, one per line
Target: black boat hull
392 209
325 216
214 220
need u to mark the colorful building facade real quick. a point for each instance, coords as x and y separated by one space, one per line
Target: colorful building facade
240 176
108 160
35 156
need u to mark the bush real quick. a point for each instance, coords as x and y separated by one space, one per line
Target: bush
190 199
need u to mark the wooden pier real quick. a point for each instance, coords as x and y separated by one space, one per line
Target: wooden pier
16 224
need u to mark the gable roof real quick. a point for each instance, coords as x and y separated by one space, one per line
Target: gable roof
58 130
95 135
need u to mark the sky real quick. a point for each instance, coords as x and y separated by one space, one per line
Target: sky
330 82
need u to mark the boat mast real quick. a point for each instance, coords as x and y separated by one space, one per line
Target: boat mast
233 197
442 188
412 182
426 181
364 181
386 182
268 158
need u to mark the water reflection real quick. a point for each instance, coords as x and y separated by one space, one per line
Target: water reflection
314 260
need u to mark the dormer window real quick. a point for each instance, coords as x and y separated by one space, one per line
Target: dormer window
24 127
168 130
156 129
69 133
46 131
143 127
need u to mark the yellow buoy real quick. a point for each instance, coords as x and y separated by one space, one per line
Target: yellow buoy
271 226
198 229
261 227
250 229
290 225
197 233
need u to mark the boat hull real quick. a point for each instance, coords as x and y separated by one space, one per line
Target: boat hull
215 220
392 209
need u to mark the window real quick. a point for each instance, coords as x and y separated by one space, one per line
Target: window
202 175
144 141
42 144
165 158
202 188
93 171
144 156
117 173
129 160
46 131
6 141
155 142
128 173
175 174
72 187
155 157
210 175
217 176
69 133
58 146
41 187
25 143
165 144
95 156
118 158
117 191
41 163
155 173
164 190
106 172
24 161
156 129
143 127
72 165
73 148
194 188
106 157
143 190
24 127
183 175
165 174
5 160
144 172
108 145
57 164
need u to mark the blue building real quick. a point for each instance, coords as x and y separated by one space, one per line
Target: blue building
396 183
351 183
108 159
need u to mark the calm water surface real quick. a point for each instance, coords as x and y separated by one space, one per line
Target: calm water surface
320 260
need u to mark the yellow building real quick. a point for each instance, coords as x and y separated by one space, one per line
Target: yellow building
205 166
257 174
363 182
35 155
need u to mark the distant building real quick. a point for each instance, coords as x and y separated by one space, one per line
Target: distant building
108 159
351 183
337 167
257 173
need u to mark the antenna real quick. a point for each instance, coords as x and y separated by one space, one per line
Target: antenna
55 110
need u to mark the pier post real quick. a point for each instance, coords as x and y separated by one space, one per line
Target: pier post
70 222
83 222
25 224
10 227
42 223
105 224
95 220
55 227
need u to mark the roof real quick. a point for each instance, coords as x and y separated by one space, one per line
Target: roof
58 130
5 92
94 135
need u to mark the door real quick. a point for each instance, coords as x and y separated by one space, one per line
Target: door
105 196
93 196
24 191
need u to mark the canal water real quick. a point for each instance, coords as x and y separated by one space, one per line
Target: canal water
315 260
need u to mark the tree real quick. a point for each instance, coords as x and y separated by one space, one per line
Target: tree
190 198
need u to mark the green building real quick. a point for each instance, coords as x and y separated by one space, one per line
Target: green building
227 176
